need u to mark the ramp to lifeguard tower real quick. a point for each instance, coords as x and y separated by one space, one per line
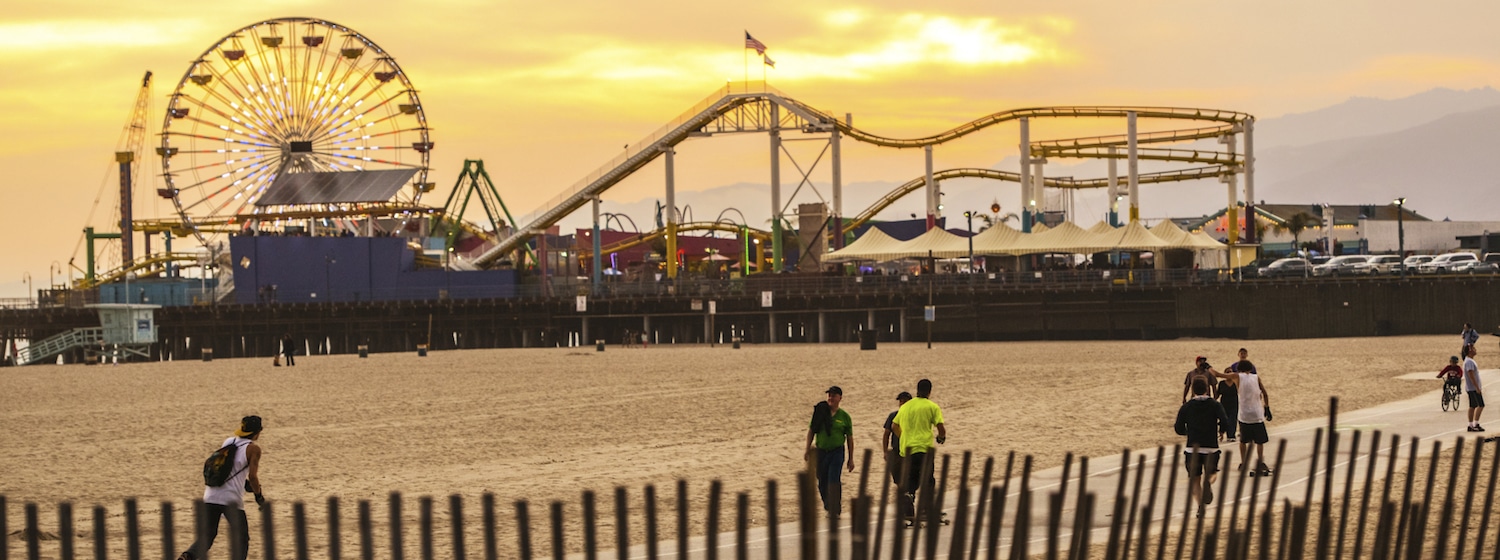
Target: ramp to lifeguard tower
62 342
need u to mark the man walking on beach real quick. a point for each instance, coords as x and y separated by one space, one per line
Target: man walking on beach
288 349
1475 389
834 440
1470 336
228 500
1255 411
1200 419
913 425
890 442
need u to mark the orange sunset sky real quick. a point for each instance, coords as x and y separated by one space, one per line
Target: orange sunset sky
545 92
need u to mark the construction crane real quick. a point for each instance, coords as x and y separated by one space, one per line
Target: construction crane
132 142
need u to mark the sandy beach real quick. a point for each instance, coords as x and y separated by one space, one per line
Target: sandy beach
545 424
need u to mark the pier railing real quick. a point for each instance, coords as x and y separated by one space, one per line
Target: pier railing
998 511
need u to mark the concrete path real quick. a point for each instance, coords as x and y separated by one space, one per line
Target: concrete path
1419 417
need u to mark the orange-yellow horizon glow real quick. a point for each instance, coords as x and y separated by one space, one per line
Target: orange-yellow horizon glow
545 93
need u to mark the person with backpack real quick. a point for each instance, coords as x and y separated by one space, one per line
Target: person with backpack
227 474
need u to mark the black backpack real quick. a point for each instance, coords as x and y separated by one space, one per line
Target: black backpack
219 467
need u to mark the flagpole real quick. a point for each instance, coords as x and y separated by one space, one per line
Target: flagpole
746 67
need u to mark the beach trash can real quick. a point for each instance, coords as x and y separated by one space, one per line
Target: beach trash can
364 350
208 354
736 341
867 338
599 345
422 350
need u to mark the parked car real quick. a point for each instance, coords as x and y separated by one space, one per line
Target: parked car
1448 263
1345 265
1413 262
1287 268
1320 259
1253 269
1381 264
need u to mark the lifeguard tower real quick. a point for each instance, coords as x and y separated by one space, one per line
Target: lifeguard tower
125 329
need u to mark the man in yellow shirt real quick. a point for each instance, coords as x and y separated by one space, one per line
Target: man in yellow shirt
914 425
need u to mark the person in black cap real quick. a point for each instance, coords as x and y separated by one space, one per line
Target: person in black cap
228 500
829 435
891 443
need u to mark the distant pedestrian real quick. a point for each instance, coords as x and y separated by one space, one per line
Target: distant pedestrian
1201 369
829 436
228 500
1228 393
914 425
1470 336
890 442
1475 389
1201 419
289 349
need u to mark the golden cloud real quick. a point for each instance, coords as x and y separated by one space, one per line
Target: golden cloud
27 38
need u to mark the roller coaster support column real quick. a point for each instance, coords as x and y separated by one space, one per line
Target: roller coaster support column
775 188
1232 221
1114 190
598 259
1038 192
1027 201
668 157
836 221
932 195
1249 159
1133 168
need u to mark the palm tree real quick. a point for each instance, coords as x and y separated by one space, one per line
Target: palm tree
1296 224
995 217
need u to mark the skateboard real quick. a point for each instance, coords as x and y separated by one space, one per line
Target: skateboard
1260 472
1491 439
922 520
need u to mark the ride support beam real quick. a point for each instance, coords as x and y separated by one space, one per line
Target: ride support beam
1027 201
775 130
836 221
127 219
932 196
1249 160
1133 167
668 157
1114 191
598 262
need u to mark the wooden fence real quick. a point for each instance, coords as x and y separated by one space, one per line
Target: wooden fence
1000 516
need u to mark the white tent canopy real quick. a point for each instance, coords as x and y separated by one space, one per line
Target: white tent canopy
1066 238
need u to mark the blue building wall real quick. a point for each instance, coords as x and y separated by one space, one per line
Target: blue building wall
317 269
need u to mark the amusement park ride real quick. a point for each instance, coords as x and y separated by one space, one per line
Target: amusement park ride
304 126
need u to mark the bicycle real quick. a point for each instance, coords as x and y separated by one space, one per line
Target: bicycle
1450 396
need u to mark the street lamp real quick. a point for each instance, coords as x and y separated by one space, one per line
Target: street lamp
27 277
1401 232
328 261
52 272
970 217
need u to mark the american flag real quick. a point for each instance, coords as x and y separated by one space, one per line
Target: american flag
752 43
768 60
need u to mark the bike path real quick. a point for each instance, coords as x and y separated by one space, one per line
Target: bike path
1418 417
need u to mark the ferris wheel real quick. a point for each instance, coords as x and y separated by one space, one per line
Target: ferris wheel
289 122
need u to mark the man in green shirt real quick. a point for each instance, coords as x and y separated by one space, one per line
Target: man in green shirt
830 434
914 425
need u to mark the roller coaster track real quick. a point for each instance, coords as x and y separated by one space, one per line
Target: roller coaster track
145 266
658 233
1054 182
726 111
